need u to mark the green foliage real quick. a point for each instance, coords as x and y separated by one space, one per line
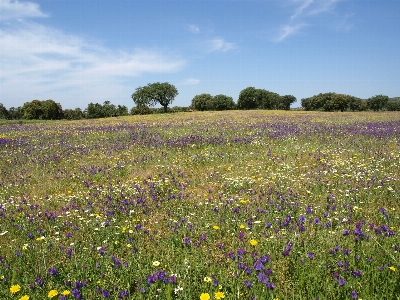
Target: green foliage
202 102
248 98
155 93
42 110
393 104
331 102
377 102
223 102
15 113
73 114
3 112
285 102
95 111
141 110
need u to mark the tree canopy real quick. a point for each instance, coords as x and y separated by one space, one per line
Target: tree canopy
155 93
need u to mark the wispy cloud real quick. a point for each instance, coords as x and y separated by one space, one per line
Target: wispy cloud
193 28
191 81
288 30
303 15
42 63
10 10
301 8
219 44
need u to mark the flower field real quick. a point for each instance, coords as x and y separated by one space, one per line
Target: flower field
215 205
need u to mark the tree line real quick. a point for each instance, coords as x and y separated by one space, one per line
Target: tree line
342 102
145 98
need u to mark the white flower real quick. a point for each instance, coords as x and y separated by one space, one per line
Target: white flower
156 263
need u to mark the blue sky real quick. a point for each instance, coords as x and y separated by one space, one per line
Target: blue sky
77 52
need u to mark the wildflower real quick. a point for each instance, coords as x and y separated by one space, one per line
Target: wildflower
310 255
242 226
354 295
253 242
52 293
156 263
205 296
219 295
65 293
25 297
216 227
207 279
15 288
392 268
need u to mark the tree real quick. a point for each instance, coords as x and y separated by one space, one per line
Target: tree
51 110
153 93
267 99
32 110
3 112
94 111
223 102
247 98
202 102
377 102
354 103
286 101
15 113
122 110
73 114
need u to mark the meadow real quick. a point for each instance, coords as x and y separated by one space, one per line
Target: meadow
202 205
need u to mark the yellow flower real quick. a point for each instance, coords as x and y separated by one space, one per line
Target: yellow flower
216 227
15 288
207 279
52 293
392 268
242 226
26 297
205 296
66 293
253 242
219 295
156 263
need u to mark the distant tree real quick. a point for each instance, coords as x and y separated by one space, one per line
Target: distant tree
393 104
306 103
32 110
377 102
122 110
51 110
161 93
248 98
15 113
202 102
141 110
363 105
73 114
267 99
354 103
94 111
286 101
223 102
3 112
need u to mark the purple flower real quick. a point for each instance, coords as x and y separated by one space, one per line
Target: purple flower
76 294
105 294
341 282
346 232
310 255
123 294
248 283
354 295
186 241
258 265
53 271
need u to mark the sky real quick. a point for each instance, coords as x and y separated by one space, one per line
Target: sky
80 51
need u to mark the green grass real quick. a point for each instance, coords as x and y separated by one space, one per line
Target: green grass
251 204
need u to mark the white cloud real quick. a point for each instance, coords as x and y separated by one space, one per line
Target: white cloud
300 9
219 44
194 29
288 30
10 10
41 63
190 81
